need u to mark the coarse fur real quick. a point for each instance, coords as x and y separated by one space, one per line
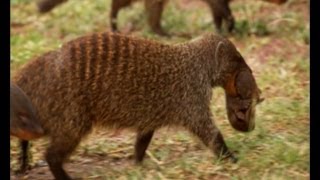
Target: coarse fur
112 80
220 10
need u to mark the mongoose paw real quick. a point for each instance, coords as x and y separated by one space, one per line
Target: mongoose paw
44 8
22 171
138 162
162 33
233 159
219 31
77 178
115 30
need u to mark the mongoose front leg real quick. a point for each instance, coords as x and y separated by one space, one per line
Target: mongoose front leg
116 6
220 11
154 9
230 22
142 143
24 159
211 136
61 146
56 154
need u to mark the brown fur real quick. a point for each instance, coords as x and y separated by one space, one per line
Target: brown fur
220 10
111 80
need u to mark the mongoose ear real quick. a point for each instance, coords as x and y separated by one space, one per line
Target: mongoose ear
230 86
245 84
217 59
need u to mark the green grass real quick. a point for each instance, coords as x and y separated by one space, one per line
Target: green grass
274 41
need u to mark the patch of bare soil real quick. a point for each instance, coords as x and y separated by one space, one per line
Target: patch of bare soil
79 168
281 48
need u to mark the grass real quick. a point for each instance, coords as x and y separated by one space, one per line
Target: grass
275 43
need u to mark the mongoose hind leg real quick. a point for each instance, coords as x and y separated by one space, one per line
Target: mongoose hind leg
116 6
141 145
154 9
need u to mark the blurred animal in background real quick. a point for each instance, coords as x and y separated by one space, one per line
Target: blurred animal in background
45 6
24 122
220 10
117 81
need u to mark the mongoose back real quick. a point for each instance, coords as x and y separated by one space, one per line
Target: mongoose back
220 10
112 80
24 123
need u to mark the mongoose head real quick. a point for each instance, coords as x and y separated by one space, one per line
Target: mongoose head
242 92
229 70
242 96
23 121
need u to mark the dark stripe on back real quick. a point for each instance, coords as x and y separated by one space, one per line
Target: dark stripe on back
105 49
135 54
82 61
73 57
73 63
115 58
93 55
124 57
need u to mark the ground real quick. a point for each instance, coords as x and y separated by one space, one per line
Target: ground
273 39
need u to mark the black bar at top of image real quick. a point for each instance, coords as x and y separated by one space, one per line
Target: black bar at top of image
314 90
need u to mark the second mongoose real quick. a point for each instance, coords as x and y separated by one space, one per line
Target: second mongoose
117 81
24 124
220 10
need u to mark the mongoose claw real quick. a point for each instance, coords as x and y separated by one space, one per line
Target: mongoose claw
233 159
22 171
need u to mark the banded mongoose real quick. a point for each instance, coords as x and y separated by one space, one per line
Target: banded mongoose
220 10
118 81
24 123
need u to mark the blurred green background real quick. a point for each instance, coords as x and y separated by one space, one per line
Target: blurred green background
273 39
